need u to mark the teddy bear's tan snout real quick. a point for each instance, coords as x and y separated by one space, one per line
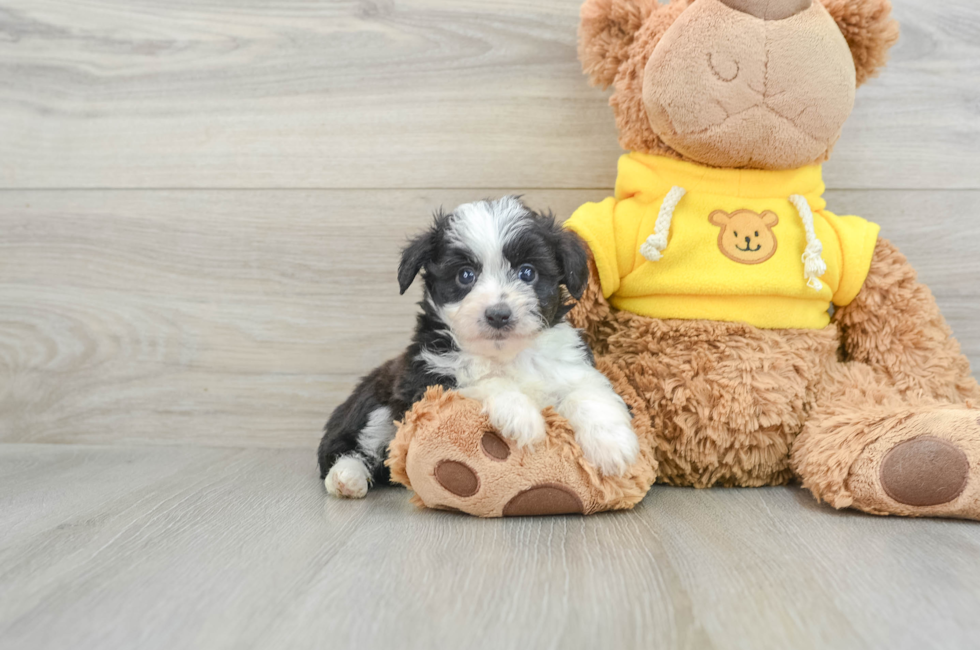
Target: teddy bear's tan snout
769 9
726 89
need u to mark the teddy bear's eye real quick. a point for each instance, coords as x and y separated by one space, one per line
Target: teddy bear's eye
756 233
736 233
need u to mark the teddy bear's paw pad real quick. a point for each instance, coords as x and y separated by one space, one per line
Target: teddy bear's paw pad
548 499
925 471
457 478
494 446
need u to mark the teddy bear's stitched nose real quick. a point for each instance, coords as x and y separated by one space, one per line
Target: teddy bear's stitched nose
769 9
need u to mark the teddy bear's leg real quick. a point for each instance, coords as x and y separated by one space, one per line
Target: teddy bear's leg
895 327
450 456
868 446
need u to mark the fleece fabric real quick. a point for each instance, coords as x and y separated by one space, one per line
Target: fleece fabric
734 248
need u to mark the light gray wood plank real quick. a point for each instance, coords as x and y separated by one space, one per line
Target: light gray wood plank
243 318
218 317
418 93
207 548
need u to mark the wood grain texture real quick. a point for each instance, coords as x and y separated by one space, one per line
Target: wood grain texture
415 93
244 317
225 548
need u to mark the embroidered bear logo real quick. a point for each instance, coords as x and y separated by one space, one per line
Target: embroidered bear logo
746 236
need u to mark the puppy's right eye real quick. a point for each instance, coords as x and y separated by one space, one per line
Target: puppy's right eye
466 277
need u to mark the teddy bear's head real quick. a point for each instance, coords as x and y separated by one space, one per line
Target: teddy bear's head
762 84
746 236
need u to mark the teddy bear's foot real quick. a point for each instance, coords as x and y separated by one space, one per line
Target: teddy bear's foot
495 483
926 466
448 453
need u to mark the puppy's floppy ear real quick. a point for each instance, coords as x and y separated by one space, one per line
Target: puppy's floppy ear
573 255
606 33
869 30
417 253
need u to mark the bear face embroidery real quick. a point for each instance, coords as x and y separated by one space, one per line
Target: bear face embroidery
746 237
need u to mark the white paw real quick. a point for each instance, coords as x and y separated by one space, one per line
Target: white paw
516 417
348 478
609 447
603 430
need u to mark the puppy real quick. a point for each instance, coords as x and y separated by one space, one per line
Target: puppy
492 326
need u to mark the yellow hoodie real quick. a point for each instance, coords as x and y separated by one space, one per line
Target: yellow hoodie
684 241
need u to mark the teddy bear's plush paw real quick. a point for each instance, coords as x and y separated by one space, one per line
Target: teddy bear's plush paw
494 483
448 452
928 465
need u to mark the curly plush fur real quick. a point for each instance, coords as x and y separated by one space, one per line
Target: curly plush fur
877 411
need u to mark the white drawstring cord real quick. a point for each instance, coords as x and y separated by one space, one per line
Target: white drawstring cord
655 244
813 264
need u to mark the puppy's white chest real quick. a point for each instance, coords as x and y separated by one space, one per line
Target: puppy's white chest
542 371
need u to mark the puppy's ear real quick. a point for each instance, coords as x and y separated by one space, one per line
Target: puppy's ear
606 33
417 254
869 30
573 255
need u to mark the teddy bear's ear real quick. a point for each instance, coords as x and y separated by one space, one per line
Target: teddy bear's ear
870 32
770 218
605 34
719 218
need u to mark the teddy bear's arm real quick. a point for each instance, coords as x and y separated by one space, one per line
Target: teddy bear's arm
592 313
894 325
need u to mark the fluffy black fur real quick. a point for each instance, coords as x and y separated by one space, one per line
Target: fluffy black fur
559 257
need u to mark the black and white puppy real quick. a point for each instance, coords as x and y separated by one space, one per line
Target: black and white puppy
493 327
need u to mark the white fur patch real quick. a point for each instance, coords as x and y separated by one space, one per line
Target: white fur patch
377 433
348 478
485 227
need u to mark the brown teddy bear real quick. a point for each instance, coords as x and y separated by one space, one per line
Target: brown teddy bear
715 268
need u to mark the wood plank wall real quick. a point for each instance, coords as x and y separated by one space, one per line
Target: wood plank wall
201 201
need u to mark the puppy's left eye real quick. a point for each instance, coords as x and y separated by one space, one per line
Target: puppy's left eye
527 273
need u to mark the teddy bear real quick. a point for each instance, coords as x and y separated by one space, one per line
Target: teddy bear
757 337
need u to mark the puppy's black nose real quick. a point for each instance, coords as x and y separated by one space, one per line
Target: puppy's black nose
498 316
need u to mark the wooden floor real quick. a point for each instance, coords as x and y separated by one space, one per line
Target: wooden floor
180 547
201 205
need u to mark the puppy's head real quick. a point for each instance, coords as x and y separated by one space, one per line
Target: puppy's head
494 272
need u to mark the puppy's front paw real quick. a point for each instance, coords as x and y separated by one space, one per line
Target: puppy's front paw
603 431
516 417
348 478
609 447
